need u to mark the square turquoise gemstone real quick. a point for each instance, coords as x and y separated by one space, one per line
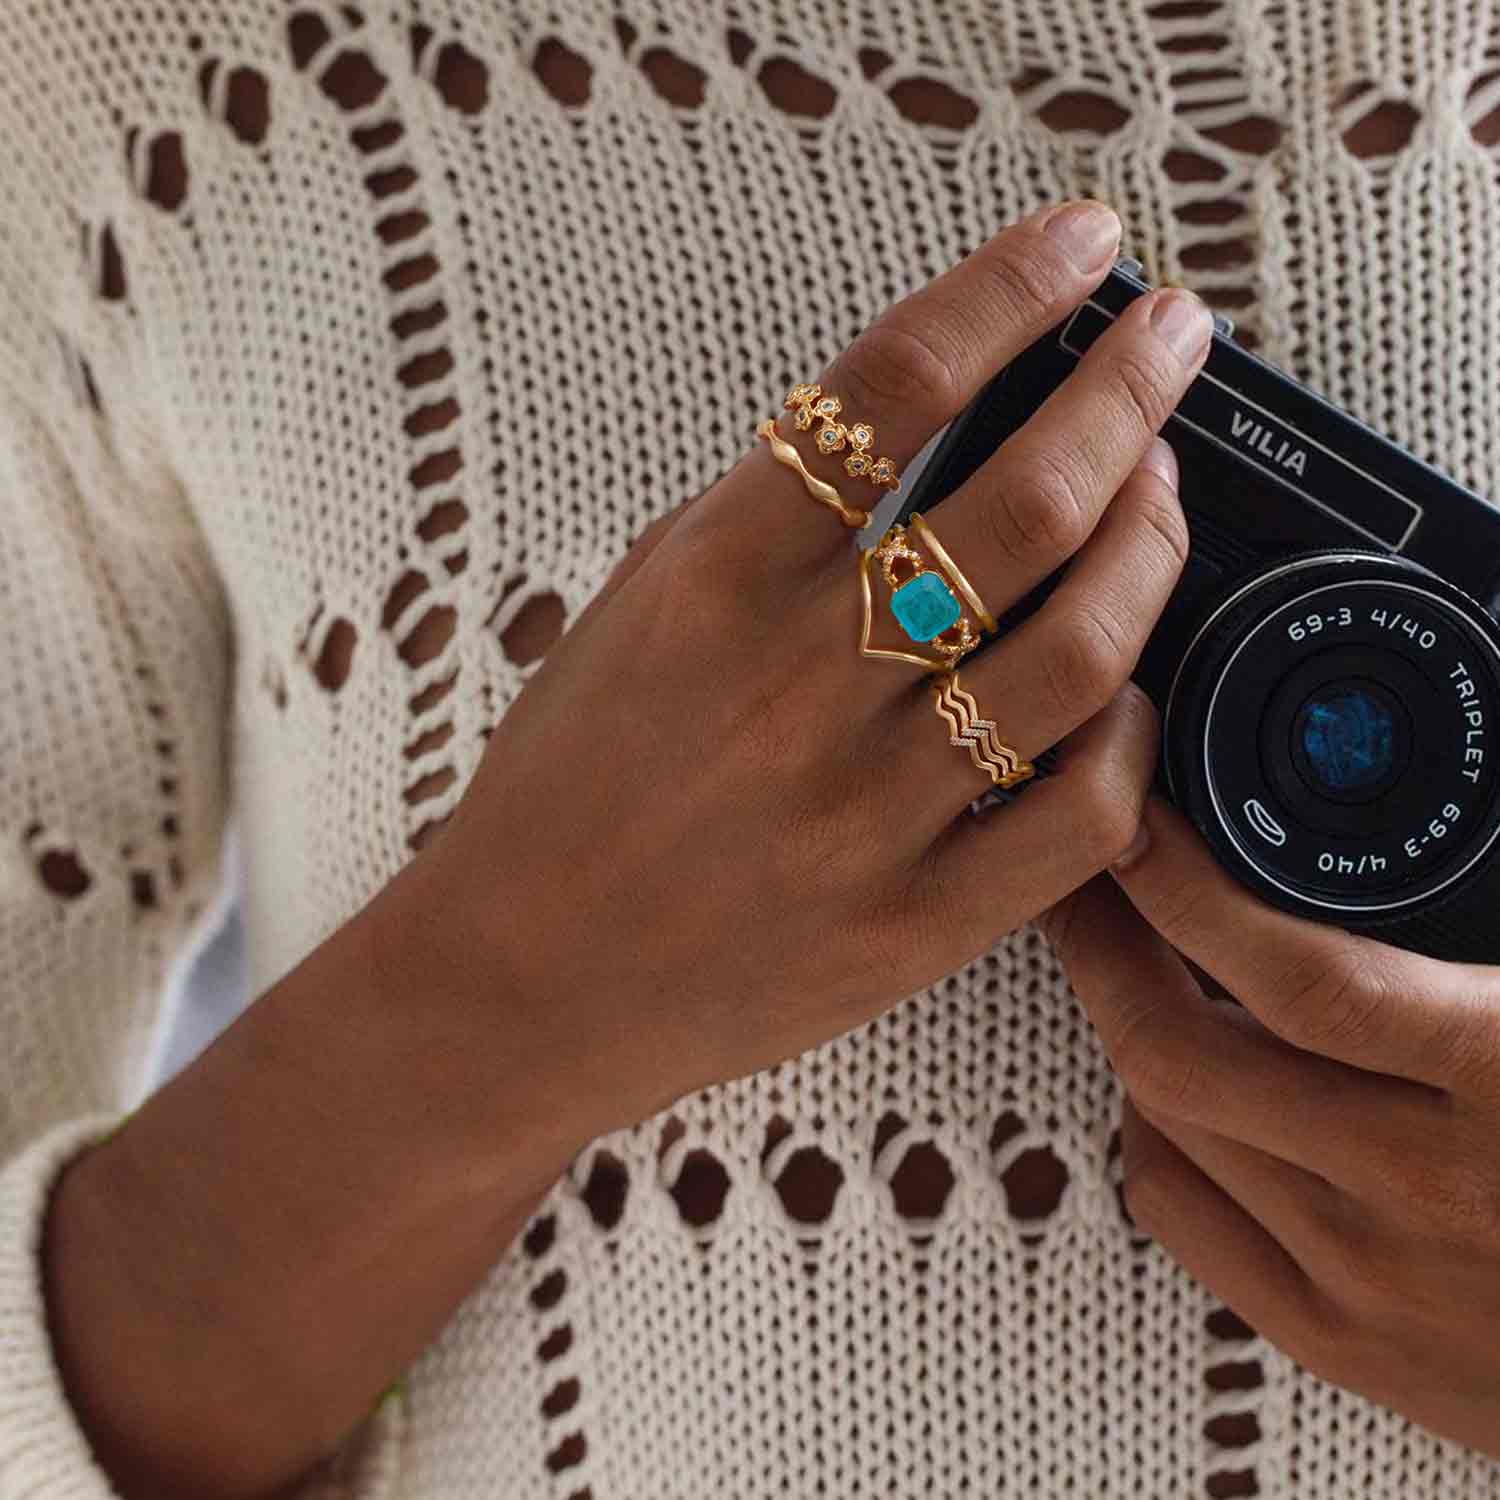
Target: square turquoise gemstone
925 607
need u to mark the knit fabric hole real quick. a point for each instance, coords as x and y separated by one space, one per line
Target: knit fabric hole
1035 1183
1233 1429
562 1398
143 890
424 369
409 587
1482 110
565 74
1228 1325
795 91
307 35
432 785
540 1236
113 286
929 101
247 105
1068 111
548 1291
444 517
1239 1375
1231 1485
809 1185
426 744
462 79
352 80
63 874
556 1344
430 637
678 81
337 655
605 1191
247 100
167 172
701 1188
568 1454
1005 1130
1192 166
921 1184
535 630
1379 127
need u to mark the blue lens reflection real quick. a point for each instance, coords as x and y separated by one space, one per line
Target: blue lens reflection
1349 740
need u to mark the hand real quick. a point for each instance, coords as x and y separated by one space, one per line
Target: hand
1327 1159
709 834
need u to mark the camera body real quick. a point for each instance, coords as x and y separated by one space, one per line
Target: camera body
1328 668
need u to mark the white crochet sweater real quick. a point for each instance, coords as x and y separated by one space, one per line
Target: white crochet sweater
318 318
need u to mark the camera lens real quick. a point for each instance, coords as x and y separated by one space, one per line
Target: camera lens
1329 732
1350 740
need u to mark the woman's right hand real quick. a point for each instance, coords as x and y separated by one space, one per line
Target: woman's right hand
710 834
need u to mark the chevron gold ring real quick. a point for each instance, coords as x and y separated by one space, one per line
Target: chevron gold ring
923 604
978 736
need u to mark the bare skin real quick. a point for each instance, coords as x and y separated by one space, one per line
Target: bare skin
291 1220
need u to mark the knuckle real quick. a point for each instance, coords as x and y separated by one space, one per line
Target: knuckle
1156 1072
1446 1195
1331 1000
1110 805
1086 662
1162 514
1467 1045
896 364
1371 1276
1039 513
1144 387
1030 279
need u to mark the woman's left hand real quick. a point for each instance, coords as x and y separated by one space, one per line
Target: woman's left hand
1325 1160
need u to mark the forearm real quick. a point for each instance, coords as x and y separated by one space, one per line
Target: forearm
235 1276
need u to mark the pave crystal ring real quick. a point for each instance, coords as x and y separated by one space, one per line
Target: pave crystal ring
978 736
810 405
923 604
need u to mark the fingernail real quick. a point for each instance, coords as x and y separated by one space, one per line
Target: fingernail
1138 846
1184 321
1162 461
1088 232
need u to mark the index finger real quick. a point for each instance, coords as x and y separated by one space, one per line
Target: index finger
1320 988
923 359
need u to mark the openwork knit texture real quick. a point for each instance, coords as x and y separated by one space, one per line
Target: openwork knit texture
347 348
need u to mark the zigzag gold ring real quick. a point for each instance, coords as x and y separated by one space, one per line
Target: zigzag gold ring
978 736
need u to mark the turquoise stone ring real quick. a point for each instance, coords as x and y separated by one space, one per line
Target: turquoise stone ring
925 607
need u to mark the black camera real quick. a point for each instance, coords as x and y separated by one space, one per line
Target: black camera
1328 669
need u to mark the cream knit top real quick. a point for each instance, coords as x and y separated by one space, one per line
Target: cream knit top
338 336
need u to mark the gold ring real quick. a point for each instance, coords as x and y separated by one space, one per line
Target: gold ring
930 663
823 493
811 405
953 572
923 604
978 736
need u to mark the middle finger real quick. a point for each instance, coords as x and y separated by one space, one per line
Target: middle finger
1039 496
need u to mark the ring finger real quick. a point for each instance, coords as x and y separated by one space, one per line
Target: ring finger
1061 666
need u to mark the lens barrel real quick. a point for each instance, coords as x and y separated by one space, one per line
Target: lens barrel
1329 731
